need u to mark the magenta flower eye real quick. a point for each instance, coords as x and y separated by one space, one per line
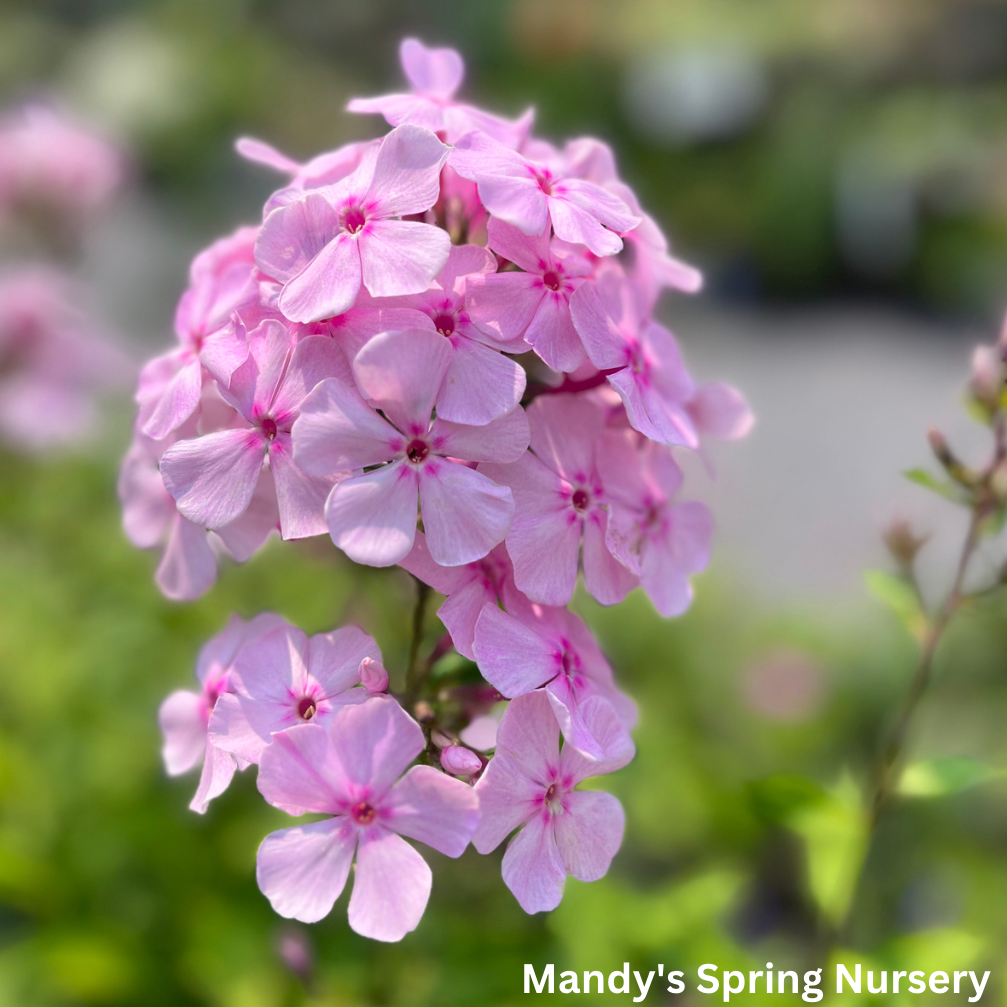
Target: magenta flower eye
268 427
363 813
354 219
551 279
445 324
418 452
580 500
306 708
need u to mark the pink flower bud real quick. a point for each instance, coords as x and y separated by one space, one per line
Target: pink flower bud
373 676
986 381
460 761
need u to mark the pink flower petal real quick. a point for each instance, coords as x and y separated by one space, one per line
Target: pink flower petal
372 517
512 657
503 304
718 410
606 579
433 808
508 797
552 335
293 235
177 403
464 513
407 173
606 725
530 252
532 867
504 439
212 478
481 384
400 256
580 227
402 373
303 870
300 497
231 731
188 567
391 887
605 345
334 658
302 772
589 835
218 771
436 72
563 430
181 718
328 285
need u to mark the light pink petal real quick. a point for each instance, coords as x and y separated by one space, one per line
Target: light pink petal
419 562
603 205
461 611
336 431
503 304
565 704
263 153
303 870
552 335
606 579
589 834
655 417
564 429
177 403
516 200
374 743
530 252
407 172
301 771
402 373
245 536
300 497
665 566
507 799
372 517
532 867
621 468
605 724
181 720
314 359
229 730
463 262
188 566
605 345
528 735
147 507
464 513
481 384
578 226
433 808
212 478
719 410
512 658
334 658
218 771
327 286
399 109
293 235
391 887
504 439
436 72
401 256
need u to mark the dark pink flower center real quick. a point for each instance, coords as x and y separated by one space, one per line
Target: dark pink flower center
544 179
445 324
417 451
551 279
268 427
363 813
306 708
580 500
550 794
354 219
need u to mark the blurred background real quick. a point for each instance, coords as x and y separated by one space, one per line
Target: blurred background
839 172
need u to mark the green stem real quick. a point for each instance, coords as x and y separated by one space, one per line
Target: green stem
414 676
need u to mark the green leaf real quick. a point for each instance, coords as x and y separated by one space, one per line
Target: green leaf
900 596
949 490
835 831
937 777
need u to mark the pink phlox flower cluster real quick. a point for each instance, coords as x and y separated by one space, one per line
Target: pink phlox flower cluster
50 165
53 364
440 349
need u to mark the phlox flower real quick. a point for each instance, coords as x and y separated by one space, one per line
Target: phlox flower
327 243
534 647
660 541
480 384
220 282
530 784
288 679
639 356
560 503
529 195
372 517
435 75
213 477
535 303
349 771
467 588
184 715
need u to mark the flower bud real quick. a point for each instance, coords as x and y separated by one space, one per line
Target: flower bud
986 379
902 541
295 948
373 676
460 761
